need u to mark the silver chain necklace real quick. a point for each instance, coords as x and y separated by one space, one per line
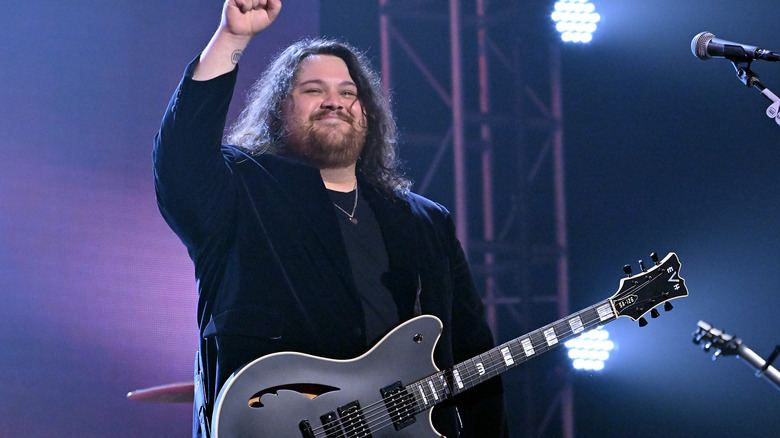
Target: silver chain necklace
351 216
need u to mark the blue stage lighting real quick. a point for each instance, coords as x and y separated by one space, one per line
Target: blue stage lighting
590 350
575 20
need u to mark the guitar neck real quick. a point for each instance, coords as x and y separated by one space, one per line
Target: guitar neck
438 387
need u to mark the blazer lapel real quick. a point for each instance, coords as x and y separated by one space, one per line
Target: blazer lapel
397 223
314 211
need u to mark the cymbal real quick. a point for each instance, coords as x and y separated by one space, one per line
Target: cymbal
180 392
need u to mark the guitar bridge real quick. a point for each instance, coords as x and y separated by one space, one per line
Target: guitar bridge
306 430
399 404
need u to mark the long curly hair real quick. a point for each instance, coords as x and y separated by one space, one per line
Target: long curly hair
259 128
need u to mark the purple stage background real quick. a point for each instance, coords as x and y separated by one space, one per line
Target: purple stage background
98 294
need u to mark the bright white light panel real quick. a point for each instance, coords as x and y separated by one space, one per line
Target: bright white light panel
575 20
590 350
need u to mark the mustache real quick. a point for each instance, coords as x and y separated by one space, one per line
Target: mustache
345 116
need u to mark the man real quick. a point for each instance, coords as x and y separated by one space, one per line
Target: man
303 234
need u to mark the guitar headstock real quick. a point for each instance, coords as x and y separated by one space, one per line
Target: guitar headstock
641 293
723 343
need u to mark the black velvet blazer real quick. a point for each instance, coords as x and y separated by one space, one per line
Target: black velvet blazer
272 268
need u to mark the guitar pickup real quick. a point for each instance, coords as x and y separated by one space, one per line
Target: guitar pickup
400 405
352 420
331 425
347 421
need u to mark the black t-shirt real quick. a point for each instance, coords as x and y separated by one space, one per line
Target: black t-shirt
369 261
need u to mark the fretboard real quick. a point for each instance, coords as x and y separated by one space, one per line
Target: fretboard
438 387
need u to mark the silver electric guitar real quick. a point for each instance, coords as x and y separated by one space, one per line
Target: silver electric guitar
390 390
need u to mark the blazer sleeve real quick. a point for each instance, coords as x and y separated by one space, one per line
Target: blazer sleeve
192 178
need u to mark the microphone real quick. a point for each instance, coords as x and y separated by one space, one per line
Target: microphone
705 46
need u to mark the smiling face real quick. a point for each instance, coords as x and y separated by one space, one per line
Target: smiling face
323 115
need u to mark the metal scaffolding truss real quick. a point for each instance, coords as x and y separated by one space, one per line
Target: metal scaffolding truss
482 96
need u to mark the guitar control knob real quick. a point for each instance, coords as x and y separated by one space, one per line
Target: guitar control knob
642 322
668 306
654 313
627 270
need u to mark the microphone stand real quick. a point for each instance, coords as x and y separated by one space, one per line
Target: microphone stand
729 345
749 78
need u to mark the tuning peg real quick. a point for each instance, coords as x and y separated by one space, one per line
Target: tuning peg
627 270
642 322
654 313
654 256
668 306
642 266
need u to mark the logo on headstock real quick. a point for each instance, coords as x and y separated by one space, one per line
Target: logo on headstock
673 278
625 302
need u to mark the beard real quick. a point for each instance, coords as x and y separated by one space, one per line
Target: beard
325 147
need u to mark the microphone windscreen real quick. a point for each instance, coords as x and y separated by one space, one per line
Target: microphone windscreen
699 45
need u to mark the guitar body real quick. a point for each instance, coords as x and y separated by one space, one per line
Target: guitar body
286 383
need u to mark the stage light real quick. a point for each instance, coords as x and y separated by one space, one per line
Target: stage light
590 350
575 20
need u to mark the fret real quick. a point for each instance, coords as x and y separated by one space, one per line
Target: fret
443 385
433 392
563 330
528 346
575 323
487 365
497 365
410 389
483 367
435 386
469 371
605 312
480 365
458 380
539 341
420 391
516 348
550 337
506 354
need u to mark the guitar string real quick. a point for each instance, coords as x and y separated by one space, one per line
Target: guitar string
375 408
403 404
402 408
383 422
370 411
543 346
519 356
347 421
